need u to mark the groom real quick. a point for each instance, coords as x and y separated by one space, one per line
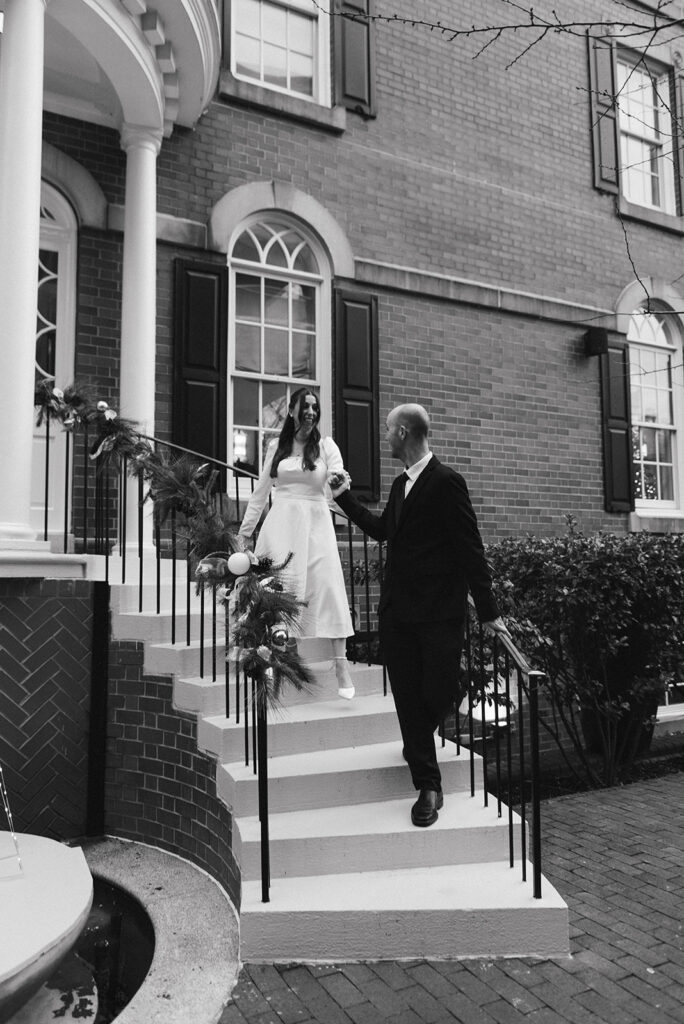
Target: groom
434 556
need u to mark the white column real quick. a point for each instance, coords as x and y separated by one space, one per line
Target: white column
21 114
139 293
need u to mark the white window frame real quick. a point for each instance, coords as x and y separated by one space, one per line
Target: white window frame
672 344
322 383
319 12
658 138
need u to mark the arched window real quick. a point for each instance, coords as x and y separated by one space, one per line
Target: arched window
656 380
279 331
55 339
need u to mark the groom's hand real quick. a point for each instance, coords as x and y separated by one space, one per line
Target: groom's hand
495 626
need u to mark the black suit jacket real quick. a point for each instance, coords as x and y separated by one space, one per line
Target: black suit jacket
434 552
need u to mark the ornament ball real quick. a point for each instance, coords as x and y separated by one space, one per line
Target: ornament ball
239 563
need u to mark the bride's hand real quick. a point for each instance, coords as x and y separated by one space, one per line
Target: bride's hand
339 482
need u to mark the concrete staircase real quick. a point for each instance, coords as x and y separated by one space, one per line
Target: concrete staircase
351 877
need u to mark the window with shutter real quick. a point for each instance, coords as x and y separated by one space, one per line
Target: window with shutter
636 131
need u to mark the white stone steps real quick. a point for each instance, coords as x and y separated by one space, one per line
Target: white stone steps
156 627
326 778
465 910
206 697
351 877
181 659
299 728
357 837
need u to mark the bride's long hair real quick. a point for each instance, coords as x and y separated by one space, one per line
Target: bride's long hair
312 448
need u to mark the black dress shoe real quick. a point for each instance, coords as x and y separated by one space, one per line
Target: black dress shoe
424 811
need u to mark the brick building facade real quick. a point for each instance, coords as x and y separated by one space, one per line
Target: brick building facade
468 206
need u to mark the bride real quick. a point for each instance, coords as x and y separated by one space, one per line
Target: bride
297 466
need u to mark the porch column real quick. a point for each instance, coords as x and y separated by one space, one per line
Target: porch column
139 293
21 115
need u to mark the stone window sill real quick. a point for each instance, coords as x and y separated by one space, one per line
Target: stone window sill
332 119
668 221
666 522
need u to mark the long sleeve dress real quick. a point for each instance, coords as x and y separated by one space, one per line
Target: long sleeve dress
299 521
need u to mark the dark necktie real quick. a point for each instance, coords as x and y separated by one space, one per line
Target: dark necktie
401 491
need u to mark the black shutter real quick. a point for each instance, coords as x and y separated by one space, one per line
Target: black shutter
604 128
200 357
356 390
618 474
354 58
677 110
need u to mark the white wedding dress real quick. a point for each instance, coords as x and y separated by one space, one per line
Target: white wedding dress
300 522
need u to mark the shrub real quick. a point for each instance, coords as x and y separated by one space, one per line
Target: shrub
603 617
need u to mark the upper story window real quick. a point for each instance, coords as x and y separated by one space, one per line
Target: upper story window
645 125
655 358
283 46
637 132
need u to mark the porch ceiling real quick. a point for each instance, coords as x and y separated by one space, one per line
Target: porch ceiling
149 63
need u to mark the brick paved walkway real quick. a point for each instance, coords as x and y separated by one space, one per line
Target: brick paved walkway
616 856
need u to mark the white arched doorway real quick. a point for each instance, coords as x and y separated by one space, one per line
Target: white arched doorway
55 334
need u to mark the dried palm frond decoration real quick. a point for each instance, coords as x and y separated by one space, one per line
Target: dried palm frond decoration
265 612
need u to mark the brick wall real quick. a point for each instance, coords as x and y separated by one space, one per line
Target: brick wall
159 788
45 670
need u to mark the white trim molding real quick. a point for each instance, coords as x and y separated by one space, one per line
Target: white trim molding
235 206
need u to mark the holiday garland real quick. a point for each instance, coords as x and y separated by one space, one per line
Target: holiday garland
265 612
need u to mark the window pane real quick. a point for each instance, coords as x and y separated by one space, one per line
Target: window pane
274 407
636 443
275 351
666 484
247 297
650 483
301 74
664 439
245 449
636 404
246 14
300 37
275 66
245 249
650 404
246 403
276 302
276 255
664 407
275 24
303 306
648 444
303 356
306 261
248 59
247 347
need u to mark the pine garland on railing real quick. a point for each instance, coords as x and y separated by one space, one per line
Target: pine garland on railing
265 611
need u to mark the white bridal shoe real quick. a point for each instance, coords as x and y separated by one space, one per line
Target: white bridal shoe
345 687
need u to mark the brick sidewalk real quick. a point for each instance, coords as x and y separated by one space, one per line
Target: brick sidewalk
616 856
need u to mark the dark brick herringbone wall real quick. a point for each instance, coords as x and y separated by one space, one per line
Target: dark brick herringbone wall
159 789
45 667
